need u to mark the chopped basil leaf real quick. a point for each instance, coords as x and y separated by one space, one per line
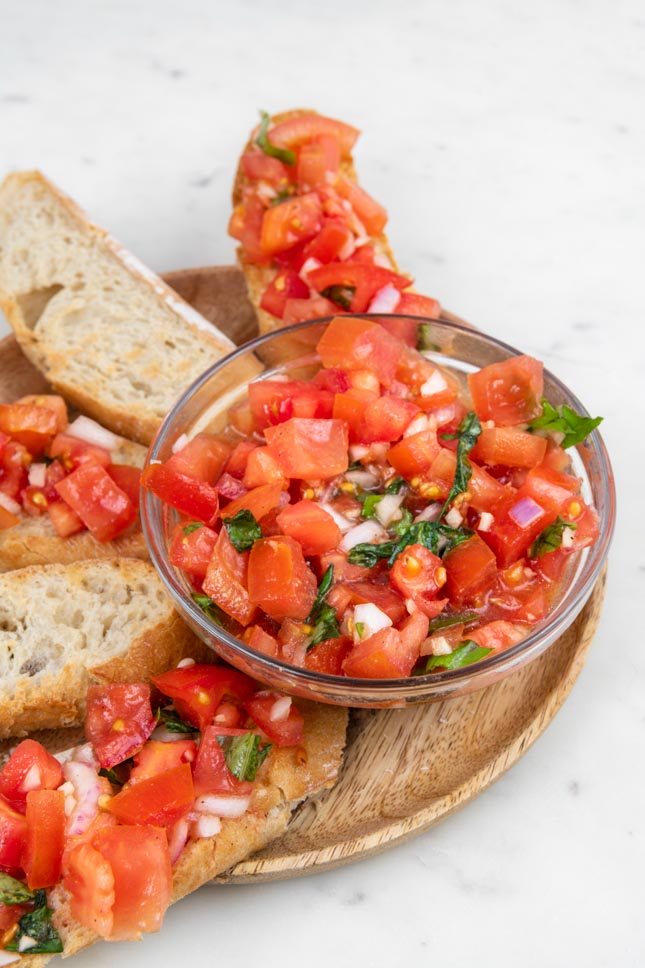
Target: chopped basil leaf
404 522
210 609
370 502
394 487
341 295
424 338
565 421
447 621
243 530
551 538
13 891
281 197
262 141
117 777
439 538
38 926
173 722
326 582
323 617
467 433
245 755
193 526
360 628
355 466
465 654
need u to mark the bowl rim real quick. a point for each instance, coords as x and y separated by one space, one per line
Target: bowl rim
550 628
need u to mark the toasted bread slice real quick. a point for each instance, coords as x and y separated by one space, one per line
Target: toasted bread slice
104 330
65 626
258 277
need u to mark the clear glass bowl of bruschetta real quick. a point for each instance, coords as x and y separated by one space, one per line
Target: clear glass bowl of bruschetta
378 510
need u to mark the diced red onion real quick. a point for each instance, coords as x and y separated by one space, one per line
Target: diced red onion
429 513
367 532
9 504
180 443
37 475
385 301
388 509
371 618
219 806
526 512
31 779
86 754
177 839
87 790
84 428
280 709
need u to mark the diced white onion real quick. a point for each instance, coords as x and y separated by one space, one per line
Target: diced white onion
9 504
358 451
488 424
411 606
207 825
180 443
280 709
184 663
343 523
417 425
434 384
367 532
229 807
31 779
557 436
429 513
26 943
37 475
363 478
265 191
526 512
86 754
371 619
308 266
388 509
485 521
385 301
347 249
568 536
177 839
454 518
440 645
84 428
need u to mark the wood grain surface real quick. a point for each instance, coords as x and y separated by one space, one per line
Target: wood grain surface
406 769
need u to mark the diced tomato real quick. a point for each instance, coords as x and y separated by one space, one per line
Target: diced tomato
343 570
119 720
328 656
311 168
30 767
236 464
310 449
230 488
365 281
287 284
470 567
381 656
332 240
89 881
263 468
245 225
160 800
414 455
191 547
72 452
259 501
157 757
486 493
241 418
357 344
285 732
13 836
203 458
65 520
295 220
413 631
51 401
7 519
226 578
510 446
510 392
312 526
386 419
307 127
128 478
401 327
259 166
413 304
350 407
31 426
43 853
100 504
550 488
275 401
369 211
510 540
260 640
381 595
497 635
419 574
194 498
10 914
301 310
34 501
279 580
211 774
198 690
333 379
140 863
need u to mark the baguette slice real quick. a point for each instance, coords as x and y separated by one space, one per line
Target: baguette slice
104 330
65 626
34 541
287 777
257 276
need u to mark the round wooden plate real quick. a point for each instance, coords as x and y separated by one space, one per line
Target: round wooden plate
404 769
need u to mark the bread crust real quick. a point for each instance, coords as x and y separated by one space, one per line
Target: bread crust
258 277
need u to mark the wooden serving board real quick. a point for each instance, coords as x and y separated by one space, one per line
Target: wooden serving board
404 769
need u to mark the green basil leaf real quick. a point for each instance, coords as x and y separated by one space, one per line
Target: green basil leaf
262 141
210 609
367 555
467 433
394 487
281 197
341 295
173 722
13 891
439 538
117 776
565 421
424 338
326 582
193 526
360 628
325 626
245 755
447 621
465 654
551 538
370 502
37 924
243 530
401 526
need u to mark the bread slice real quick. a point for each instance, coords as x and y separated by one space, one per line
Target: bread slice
104 330
288 776
34 541
65 626
257 276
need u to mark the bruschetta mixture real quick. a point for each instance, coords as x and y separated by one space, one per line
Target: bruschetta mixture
49 466
380 519
110 819
302 215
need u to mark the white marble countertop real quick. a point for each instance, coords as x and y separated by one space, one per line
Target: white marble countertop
507 141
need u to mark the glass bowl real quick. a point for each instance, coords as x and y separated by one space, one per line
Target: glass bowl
291 351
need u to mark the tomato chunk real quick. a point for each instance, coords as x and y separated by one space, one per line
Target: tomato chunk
418 574
160 800
362 281
259 501
31 426
287 284
381 656
157 757
312 527
30 767
305 127
290 222
191 547
212 774
203 458
226 579
194 498
510 392
274 401
43 851
279 580
100 504
283 732
119 720
310 449
510 446
470 567
89 881
13 837
198 690
357 344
